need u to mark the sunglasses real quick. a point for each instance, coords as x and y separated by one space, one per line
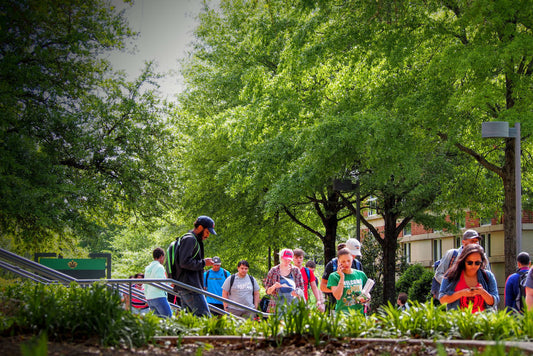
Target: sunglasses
470 263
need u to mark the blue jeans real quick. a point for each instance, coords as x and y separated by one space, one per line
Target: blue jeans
195 303
160 307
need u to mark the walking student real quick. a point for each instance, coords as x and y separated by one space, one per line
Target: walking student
213 280
346 285
190 263
309 279
354 247
284 283
467 283
155 297
515 284
241 288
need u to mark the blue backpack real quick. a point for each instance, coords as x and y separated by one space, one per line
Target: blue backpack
358 265
435 285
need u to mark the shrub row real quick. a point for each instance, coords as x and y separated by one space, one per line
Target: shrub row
73 313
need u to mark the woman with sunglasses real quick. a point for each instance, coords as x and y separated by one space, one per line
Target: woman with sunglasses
467 282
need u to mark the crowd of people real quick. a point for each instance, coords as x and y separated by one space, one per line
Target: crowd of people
463 279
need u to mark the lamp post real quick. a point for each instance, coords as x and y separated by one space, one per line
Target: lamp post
347 185
502 129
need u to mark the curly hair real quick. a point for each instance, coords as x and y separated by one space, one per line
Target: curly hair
455 270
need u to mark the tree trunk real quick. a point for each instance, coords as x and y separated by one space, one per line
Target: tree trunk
389 246
329 241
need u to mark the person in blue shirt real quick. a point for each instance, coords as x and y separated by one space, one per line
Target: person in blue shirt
512 285
213 281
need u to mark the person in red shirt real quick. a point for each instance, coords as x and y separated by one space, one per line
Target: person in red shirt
309 279
467 283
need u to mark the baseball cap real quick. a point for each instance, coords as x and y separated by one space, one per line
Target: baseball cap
206 222
286 254
216 260
354 246
471 234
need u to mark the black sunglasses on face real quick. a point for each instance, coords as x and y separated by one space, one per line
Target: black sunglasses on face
470 263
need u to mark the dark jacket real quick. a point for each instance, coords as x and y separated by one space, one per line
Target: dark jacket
190 260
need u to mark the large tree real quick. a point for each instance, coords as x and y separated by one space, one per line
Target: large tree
472 63
79 145
281 105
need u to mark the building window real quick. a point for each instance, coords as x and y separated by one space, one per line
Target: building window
372 206
460 224
485 243
485 221
437 249
458 242
407 252
407 230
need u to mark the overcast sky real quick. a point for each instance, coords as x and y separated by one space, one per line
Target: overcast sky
165 29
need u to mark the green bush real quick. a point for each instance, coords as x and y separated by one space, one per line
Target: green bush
421 288
73 313
409 277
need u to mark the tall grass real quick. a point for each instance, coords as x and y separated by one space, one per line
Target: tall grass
72 313
75 313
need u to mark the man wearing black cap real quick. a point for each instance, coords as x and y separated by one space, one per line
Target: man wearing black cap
190 263
469 237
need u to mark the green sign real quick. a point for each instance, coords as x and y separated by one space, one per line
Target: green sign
81 268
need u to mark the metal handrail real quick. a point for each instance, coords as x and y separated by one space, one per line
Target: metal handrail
162 283
48 275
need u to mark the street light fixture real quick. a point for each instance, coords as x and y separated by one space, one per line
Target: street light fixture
502 129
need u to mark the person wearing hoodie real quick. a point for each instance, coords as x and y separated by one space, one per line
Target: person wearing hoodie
157 298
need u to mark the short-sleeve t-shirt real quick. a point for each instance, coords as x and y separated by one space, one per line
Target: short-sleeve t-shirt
241 292
529 279
312 279
353 285
214 281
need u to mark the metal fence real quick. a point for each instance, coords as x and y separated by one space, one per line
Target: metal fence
39 273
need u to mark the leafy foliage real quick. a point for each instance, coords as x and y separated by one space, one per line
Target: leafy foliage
413 273
80 148
73 313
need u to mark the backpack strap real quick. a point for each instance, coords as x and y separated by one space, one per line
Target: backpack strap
358 265
454 255
252 280
231 282
207 278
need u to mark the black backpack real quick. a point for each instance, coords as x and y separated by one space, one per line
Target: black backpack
521 296
263 303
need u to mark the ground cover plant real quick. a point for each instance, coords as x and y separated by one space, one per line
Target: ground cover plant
74 313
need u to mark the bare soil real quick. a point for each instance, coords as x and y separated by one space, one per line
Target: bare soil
290 347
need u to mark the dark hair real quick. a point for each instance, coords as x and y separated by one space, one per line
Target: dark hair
243 262
298 252
455 270
402 297
341 246
310 264
158 252
343 251
523 258
137 275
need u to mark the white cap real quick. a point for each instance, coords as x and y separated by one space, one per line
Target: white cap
354 246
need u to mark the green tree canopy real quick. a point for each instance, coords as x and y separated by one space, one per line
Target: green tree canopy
79 145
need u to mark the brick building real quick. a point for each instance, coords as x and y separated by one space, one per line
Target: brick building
425 246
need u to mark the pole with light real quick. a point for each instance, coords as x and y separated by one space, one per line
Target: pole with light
501 129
